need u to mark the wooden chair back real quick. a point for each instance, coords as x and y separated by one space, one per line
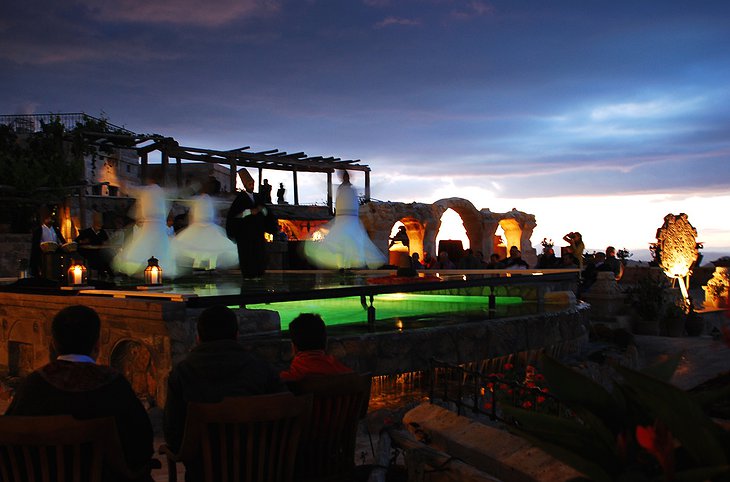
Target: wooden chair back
58 448
327 449
251 438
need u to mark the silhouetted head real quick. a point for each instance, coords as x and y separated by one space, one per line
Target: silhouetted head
308 332
75 330
345 177
217 322
610 251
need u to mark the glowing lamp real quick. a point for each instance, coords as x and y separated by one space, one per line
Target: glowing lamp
153 272
676 241
76 274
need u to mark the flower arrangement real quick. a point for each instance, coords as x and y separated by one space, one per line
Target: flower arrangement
525 389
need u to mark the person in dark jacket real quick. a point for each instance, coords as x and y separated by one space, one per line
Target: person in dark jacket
73 384
217 367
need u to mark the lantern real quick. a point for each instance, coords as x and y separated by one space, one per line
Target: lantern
76 274
153 272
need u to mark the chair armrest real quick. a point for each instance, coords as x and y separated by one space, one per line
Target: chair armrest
172 459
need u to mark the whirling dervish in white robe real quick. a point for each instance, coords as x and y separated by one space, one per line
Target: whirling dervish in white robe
204 241
346 244
151 239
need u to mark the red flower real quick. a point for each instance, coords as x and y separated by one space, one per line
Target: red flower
658 441
540 399
508 366
539 377
488 406
527 404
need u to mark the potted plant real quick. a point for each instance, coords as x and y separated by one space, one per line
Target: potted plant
693 323
647 300
673 321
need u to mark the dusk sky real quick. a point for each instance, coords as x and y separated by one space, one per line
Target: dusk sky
600 117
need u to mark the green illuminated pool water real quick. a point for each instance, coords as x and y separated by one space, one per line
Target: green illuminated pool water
342 311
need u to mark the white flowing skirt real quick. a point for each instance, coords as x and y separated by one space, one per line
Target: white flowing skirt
207 245
150 240
346 245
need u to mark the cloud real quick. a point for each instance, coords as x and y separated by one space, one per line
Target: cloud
390 21
212 13
473 9
83 48
648 109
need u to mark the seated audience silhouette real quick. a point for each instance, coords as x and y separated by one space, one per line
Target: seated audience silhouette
73 384
443 261
494 261
309 341
515 260
217 367
612 263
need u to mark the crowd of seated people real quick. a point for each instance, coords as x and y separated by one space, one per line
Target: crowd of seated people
217 367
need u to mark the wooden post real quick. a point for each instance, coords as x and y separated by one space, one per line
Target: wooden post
163 168
82 208
367 185
329 193
144 161
296 188
178 172
232 177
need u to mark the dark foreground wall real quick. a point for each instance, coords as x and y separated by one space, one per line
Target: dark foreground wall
144 337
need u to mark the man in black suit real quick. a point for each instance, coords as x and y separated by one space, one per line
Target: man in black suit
247 221
91 243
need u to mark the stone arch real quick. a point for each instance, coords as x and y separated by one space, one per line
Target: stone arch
512 231
470 216
137 363
424 221
416 231
26 349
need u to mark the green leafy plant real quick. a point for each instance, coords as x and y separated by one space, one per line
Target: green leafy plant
642 429
649 295
623 254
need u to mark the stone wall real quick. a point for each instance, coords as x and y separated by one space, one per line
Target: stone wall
144 337
13 247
